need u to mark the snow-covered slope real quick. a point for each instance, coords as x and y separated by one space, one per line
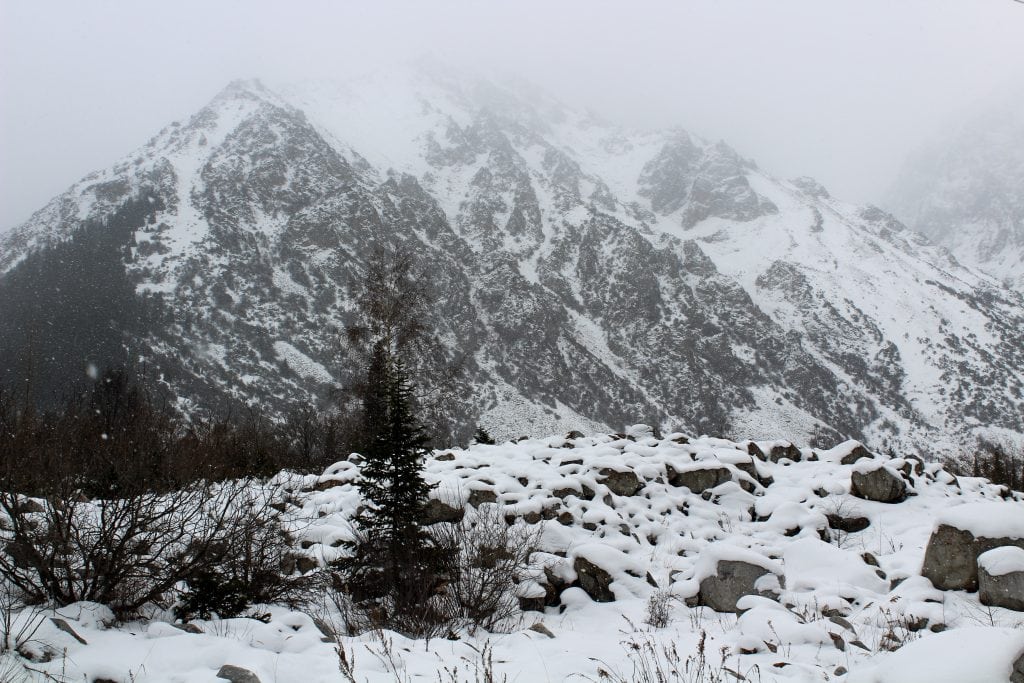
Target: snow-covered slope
590 275
838 600
966 192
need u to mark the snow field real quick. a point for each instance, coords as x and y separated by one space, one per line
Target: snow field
844 598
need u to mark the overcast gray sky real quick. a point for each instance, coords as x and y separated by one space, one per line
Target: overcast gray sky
840 90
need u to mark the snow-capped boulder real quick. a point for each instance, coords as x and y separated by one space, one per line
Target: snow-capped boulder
962 534
1001 577
726 574
784 450
698 477
236 674
436 511
621 483
856 452
878 483
594 580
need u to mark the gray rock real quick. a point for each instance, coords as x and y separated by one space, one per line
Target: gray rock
594 581
755 451
1017 675
1002 590
305 564
66 627
237 674
880 484
731 581
850 525
436 511
699 480
856 454
788 451
542 629
621 483
532 604
478 497
951 558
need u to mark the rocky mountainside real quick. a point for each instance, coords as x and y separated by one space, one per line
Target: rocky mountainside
966 192
589 275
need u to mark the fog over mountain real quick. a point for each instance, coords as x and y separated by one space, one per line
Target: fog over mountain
838 91
965 190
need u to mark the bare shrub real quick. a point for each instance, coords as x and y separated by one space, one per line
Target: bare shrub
659 613
129 551
487 557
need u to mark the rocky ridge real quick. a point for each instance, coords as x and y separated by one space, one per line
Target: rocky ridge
590 275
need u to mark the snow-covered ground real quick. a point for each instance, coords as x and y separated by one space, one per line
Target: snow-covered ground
841 601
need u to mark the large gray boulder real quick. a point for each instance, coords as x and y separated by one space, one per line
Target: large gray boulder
621 483
436 511
731 581
1001 577
880 484
962 535
237 674
699 479
594 581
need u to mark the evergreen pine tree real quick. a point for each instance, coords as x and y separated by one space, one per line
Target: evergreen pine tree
392 555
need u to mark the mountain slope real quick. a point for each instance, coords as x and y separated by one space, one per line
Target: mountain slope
966 192
590 275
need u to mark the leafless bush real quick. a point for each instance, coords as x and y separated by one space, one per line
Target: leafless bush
487 558
659 613
129 551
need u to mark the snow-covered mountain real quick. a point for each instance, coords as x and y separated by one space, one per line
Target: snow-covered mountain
590 275
966 192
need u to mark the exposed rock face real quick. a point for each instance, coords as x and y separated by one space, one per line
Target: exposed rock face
1002 586
879 484
951 558
731 581
594 580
